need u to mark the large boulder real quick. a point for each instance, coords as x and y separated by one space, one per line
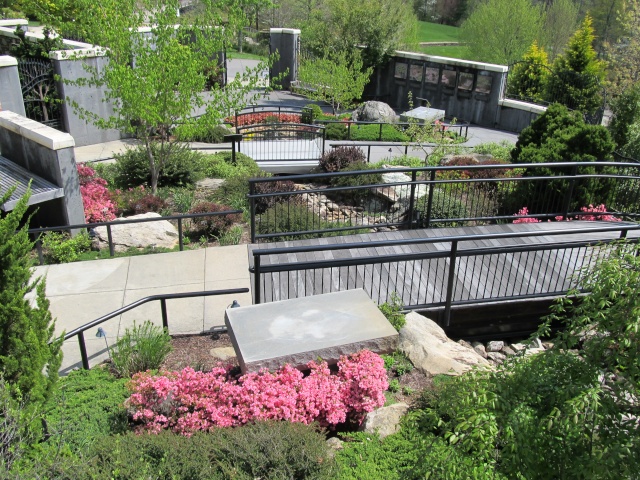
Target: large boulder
139 235
430 350
373 112
385 421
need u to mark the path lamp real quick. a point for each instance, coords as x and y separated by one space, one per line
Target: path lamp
102 334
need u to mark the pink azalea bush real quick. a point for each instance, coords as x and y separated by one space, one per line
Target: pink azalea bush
600 212
98 206
190 401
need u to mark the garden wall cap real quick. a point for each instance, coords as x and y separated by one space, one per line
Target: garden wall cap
519 105
291 31
490 67
37 132
13 22
8 61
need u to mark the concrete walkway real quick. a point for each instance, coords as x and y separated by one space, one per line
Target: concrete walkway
83 291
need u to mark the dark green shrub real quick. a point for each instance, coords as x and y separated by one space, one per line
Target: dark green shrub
233 192
220 165
269 450
357 195
559 135
444 205
336 131
392 310
201 133
501 151
316 110
372 133
183 167
60 247
295 218
141 348
214 225
625 123
340 158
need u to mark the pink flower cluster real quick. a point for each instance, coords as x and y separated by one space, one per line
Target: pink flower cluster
98 206
189 401
589 215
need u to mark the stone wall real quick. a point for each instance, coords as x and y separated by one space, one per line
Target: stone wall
47 153
285 41
10 90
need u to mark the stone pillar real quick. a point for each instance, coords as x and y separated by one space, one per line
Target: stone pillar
70 67
10 89
285 41
49 154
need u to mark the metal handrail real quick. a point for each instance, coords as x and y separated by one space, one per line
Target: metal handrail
79 332
109 224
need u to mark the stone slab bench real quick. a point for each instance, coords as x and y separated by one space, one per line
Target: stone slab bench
297 331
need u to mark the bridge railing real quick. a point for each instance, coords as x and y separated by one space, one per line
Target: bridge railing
459 270
267 141
332 204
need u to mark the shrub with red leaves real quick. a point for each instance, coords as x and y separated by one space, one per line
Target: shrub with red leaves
264 203
340 158
215 224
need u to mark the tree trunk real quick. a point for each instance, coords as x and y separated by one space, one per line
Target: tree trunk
154 169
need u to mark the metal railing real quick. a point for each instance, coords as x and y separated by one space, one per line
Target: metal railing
79 332
268 109
273 142
90 226
352 127
342 203
431 276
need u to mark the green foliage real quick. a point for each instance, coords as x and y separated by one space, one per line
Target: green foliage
141 348
561 20
220 165
62 248
181 167
30 354
16 432
337 78
623 55
336 131
273 450
389 133
625 123
445 205
528 78
559 135
500 31
400 161
233 192
393 311
316 111
28 49
357 195
296 217
231 237
578 73
501 151
195 132
397 363
183 199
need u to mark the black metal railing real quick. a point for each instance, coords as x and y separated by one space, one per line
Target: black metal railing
439 129
274 110
79 332
270 142
42 101
109 225
337 203
440 272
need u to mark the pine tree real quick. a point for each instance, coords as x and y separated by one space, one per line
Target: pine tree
576 81
28 362
527 79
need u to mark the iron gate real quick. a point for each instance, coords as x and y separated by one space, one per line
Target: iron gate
42 102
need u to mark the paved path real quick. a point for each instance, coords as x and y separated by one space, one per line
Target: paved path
83 291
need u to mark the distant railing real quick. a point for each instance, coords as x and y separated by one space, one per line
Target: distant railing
308 144
79 332
442 128
438 196
431 277
89 226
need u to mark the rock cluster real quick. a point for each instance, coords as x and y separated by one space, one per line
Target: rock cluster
497 351
139 235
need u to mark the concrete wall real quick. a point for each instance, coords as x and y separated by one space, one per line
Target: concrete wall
89 98
47 153
10 89
285 41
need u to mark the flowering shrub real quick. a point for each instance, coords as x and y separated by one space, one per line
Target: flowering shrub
189 401
592 214
267 117
98 206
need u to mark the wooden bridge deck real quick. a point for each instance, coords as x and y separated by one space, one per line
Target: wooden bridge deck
422 282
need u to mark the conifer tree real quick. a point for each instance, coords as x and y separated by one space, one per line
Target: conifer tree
28 362
527 79
576 82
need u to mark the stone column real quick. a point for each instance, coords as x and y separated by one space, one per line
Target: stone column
285 41
10 89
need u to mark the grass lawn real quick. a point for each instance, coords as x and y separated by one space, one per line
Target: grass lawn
460 52
234 54
434 32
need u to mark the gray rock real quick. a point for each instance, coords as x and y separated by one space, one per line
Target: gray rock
222 353
334 443
518 347
535 343
464 343
479 349
507 350
432 352
209 184
373 111
497 357
385 421
547 345
139 235
495 346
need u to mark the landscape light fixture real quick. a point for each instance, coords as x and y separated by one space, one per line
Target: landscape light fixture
234 304
102 334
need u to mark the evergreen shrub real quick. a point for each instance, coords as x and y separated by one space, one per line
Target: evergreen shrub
444 205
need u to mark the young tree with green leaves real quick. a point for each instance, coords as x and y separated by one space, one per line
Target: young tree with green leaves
501 31
337 78
578 73
159 71
30 354
560 21
624 55
527 78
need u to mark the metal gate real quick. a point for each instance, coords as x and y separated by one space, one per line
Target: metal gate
42 102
